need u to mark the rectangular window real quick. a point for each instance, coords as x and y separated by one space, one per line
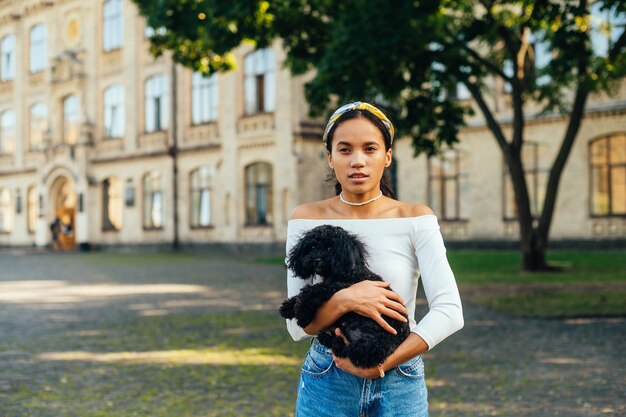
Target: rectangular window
38 125
200 180
203 98
259 194
114 111
7 63
156 103
448 186
153 204
259 82
33 209
607 157
536 175
38 50
7 132
6 211
71 119
111 204
113 33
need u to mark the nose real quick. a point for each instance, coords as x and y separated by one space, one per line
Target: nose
358 160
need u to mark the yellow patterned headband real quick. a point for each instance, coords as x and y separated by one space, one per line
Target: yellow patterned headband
358 105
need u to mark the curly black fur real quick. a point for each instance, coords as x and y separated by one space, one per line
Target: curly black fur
339 257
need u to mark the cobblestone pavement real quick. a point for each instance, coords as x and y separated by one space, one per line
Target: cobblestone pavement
497 365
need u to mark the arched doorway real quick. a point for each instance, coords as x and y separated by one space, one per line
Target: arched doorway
63 207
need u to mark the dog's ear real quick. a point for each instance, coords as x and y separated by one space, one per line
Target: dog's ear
297 259
350 254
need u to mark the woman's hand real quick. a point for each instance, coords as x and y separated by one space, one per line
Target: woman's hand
374 299
346 364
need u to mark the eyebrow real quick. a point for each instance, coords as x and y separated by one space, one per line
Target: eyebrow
342 142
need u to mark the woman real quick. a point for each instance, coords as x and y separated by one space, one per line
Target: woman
404 243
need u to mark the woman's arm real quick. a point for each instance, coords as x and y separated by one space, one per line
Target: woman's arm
371 299
412 346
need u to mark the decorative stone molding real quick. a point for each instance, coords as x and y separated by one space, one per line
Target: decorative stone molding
153 140
68 66
34 159
6 88
256 125
112 61
36 80
6 162
262 143
201 134
255 233
611 227
310 130
61 151
457 230
110 145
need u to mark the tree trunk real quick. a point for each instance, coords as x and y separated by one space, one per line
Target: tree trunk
534 260
534 253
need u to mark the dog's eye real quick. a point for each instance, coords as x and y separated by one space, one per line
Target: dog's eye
328 249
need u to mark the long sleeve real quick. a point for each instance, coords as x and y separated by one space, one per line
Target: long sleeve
445 315
294 285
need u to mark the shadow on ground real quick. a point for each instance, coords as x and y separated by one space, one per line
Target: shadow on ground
188 335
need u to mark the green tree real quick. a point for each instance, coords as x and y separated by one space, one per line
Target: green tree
408 56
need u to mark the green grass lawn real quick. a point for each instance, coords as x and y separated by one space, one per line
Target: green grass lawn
589 283
220 364
243 363
491 267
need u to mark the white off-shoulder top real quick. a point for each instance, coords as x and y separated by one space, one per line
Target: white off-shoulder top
401 250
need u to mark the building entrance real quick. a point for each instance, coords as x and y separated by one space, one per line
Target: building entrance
63 203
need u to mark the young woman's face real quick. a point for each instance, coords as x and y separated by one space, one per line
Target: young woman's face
358 156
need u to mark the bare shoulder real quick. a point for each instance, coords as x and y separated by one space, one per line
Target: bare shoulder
413 210
313 210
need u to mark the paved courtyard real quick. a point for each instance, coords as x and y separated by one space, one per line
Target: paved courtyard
497 365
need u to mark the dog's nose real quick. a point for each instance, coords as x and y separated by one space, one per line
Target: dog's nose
317 261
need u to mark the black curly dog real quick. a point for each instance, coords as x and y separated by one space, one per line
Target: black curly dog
339 257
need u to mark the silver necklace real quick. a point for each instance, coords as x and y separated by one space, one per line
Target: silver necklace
359 204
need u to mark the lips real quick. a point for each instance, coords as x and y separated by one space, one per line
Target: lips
358 177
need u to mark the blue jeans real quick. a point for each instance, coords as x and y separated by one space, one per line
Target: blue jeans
327 391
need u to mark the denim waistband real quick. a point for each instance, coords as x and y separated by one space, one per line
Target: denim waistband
318 347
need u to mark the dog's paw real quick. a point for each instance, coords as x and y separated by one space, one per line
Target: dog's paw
287 309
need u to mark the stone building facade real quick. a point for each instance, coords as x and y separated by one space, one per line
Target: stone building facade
125 148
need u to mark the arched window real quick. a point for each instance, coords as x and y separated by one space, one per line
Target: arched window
153 202
448 185
71 119
111 204
38 125
7 132
607 160
6 211
203 98
201 181
259 82
536 172
156 103
113 32
7 63
259 194
114 111
38 50
32 208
